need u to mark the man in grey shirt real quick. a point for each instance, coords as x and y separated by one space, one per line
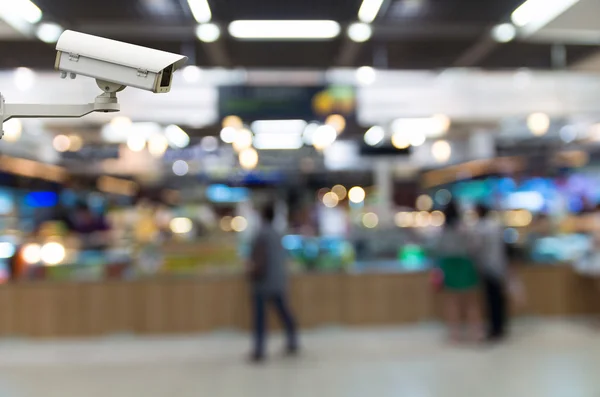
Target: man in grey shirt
493 264
269 283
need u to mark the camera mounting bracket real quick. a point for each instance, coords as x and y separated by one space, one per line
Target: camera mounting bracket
106 102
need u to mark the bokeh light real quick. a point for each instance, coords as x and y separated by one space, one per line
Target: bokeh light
181 225
225 223
340 191
404 219
424 203
324 136
357 194
248 159
180 168
228 134
239 224
441 151
12 130
52 253
538 123
370 220
374 136
136 143
330 200
337 121
438 218
242 140
76 143
61 143
32 253
233 122
400 141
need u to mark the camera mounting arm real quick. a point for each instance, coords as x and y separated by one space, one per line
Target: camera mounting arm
105 102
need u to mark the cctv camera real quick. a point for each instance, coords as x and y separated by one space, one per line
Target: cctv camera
115 64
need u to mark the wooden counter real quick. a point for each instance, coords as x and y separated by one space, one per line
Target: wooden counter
161 306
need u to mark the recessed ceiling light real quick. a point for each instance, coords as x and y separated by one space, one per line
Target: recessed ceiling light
200 10
360 32
504 32
369 9
533 15
208 32
49 32
284 30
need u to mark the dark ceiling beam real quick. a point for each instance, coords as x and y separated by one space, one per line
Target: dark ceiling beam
217 53
394 32
476 53
149 32
398 32
348 53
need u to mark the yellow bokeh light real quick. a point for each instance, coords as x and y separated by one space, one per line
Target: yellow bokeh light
233 122
442 123
357 194
400 141
337 121
441 151
76 143
330 200
424 203
340 191
32 253
538 123
518 218
422 219
438 218
12 130
225 223
181 225
61 143
157 145
53 253
248 159
242 140
120 121
239 224
370 220
404 219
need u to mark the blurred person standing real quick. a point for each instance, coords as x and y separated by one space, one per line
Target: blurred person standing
459 278
93 229
492 262
267 270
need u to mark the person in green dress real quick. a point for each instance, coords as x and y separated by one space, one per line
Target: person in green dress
454 253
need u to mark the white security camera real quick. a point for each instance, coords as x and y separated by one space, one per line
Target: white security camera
116 62
114 65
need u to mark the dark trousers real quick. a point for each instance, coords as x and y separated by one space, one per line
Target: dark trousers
286 318
495 295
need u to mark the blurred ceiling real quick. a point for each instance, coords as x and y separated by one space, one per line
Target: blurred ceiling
407 34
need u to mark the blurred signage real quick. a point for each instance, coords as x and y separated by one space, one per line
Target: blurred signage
539 154
189 153
219 193
286 102
92 153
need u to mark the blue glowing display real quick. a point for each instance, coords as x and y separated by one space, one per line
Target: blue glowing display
226 194
41 199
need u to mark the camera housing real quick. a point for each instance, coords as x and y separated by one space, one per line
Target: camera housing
116 62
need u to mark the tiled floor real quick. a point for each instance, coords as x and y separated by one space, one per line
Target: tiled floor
544 359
